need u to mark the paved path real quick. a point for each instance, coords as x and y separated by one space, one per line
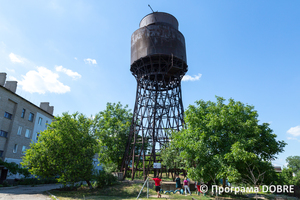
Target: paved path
27 192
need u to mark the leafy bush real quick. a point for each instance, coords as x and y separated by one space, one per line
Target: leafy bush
110 167
104 179
5 183
35 181
28 181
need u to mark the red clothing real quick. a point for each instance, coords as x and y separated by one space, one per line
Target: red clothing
198 187
157 181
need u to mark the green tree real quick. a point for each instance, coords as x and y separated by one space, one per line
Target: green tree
294 163
171 158
217 138
291 174
14 168
66 149
250 168
286 176
112 128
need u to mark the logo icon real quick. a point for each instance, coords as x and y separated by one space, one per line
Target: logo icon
204 188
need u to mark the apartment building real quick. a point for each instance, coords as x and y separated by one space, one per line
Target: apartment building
20 123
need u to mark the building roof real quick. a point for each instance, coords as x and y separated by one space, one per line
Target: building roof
27 101
277 169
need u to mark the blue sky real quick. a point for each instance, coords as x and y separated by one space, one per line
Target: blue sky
76 54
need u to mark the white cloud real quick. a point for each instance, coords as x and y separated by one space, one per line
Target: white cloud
190 78
75 58
11 78
69 72
90 61
10 70
293 138
15 59
41 81
295 131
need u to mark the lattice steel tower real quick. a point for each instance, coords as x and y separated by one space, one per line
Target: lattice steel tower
158 62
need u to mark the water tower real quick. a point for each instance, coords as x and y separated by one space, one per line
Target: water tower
158 62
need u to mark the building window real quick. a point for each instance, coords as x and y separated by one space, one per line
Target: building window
15 148
31 116
23 113
40 121
19 130
7 115
23 150
3 133
46 124
27 133
37 136
1 153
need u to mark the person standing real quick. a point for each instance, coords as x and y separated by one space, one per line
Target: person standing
178 184
186 186
198 187
157 181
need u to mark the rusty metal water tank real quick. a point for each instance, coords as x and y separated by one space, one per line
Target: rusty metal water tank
158 35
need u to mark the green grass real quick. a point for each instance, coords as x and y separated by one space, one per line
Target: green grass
129 190
272 196
124 190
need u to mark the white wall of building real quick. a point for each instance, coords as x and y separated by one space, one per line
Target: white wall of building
38 127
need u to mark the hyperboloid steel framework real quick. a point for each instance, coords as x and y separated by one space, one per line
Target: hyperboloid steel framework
158 62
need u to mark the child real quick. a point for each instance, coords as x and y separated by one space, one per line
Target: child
157 186
186 186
